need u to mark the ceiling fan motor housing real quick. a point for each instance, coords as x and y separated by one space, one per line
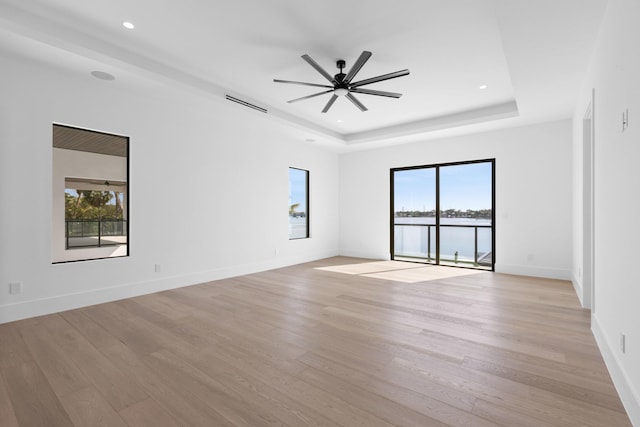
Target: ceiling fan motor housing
340 88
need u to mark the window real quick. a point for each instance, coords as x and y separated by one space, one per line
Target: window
298 203
90 195
444 214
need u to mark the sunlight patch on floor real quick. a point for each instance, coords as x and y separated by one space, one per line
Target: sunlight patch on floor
398 271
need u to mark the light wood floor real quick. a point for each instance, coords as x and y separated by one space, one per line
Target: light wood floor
303 346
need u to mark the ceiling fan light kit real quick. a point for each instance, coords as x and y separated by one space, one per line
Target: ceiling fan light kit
343 85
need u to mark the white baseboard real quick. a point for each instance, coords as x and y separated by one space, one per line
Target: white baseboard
59 303
577 286
628 393
535 271
365 254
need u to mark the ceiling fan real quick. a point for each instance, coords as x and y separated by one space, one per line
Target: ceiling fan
343 85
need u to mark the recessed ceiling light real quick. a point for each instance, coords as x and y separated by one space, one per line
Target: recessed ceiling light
339 120
102 75
128 25
482 87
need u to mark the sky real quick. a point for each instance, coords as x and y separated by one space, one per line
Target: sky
462 187
298 188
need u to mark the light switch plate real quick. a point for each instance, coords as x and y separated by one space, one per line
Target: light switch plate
15 288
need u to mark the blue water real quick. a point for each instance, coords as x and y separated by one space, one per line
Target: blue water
413 241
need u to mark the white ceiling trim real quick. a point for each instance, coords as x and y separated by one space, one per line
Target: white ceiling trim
534 53
58 36
463 118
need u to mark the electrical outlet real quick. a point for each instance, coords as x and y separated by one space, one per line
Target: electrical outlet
158 268
623 343
625 120
276 251
15 288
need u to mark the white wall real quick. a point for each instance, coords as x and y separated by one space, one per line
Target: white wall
615 75
208 182
533 194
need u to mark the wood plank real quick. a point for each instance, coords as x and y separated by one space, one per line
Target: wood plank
378 405
443 409
226 390
177 399
592 397
87 407
293 401
523 398
506 416
63 375
122 329
7 415
148 413
299 345
118 389
94 333
12 346
34 401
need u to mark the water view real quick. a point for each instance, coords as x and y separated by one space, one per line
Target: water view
416 238
463 193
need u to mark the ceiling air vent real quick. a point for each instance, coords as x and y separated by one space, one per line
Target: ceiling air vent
245 103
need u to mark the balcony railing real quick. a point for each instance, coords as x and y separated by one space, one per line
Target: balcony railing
459 243
95 232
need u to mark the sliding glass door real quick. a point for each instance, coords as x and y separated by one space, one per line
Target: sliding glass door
444 214
414 227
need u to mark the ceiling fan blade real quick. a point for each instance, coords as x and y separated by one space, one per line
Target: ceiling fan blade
362 59
380 78
356 102
310 96
376 92
301 83
330 103
318 68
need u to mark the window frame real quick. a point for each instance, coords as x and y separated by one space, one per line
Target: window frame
307 175
437 225
127 196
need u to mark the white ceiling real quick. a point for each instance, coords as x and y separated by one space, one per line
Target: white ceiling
532 56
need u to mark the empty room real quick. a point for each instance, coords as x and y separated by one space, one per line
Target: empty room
338 213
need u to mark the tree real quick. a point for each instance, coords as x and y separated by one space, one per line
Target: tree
118 213
77 205
88 204
96 199
293 207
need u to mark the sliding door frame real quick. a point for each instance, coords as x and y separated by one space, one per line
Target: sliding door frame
437 167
